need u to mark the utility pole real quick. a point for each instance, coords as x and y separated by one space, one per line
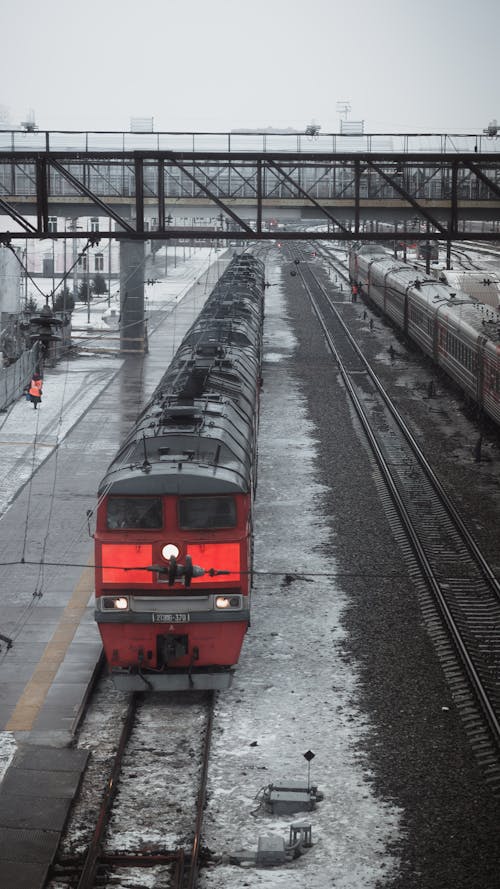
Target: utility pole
53 271
73 227
26 275
109 264
88 288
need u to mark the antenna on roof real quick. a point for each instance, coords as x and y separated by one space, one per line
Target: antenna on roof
312 129
492 128
29 125
343 107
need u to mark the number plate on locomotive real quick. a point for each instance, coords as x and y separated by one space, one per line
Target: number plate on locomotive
181 618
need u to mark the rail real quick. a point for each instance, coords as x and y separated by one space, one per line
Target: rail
181 863
465 590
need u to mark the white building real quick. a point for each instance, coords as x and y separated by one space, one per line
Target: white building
10 283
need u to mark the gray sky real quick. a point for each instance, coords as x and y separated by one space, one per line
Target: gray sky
426 66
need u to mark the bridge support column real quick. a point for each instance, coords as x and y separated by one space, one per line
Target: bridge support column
133 335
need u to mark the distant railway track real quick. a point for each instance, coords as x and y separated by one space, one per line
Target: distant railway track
108 852
458 591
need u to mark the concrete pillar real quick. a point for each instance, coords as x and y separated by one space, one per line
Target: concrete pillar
133 335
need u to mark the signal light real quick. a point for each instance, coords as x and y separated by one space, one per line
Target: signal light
170 549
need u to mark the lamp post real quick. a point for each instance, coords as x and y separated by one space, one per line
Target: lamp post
168 220
66 220
73 228
26 274
87 281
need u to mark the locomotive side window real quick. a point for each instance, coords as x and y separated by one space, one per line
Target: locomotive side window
196 513
134 512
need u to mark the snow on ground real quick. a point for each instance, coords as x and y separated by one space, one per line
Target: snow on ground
8 746
28 437
293 691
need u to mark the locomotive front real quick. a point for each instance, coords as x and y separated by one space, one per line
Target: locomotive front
173 535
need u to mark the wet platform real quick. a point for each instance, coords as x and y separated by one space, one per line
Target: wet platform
50 649
35 797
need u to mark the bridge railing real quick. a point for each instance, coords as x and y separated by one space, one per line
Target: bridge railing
234 142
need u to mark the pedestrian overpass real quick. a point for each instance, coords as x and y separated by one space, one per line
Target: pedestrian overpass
159 186
243 187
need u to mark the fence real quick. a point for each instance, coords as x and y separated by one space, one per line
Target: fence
14 378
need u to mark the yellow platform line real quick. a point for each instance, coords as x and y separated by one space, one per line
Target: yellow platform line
39 444
35 693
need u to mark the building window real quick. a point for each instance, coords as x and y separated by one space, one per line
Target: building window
99 262
52 223
82 263
94 224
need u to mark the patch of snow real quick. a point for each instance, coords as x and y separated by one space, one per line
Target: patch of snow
293 690
8 747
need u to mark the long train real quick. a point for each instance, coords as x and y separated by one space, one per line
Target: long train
173 541
461 334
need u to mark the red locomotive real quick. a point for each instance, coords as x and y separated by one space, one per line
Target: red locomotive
173 542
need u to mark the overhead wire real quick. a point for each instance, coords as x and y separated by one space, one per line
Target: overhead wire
90 242
43 563
41 573
292 573
39 583
30 486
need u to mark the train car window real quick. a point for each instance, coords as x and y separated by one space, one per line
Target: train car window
196 513
134 512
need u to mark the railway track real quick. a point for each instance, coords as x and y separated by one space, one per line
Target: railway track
459 593
151 812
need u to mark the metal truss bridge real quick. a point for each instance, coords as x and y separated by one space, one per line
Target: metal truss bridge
276 189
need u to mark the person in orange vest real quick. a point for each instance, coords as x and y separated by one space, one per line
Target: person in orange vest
354 292
35 390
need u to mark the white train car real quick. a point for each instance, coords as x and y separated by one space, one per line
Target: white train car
460 333
482 285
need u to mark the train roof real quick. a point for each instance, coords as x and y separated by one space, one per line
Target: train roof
201 447
370 249
456 305
197 432
482 285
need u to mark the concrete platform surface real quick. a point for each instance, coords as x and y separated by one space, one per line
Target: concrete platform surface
35 799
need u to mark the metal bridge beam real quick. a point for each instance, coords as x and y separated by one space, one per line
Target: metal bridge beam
439 193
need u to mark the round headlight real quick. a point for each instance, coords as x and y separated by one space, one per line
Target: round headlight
228 602
169 550
110 603
222 602
121 603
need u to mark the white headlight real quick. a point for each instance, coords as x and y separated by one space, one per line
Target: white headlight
228 602
221 602
110 603
169 550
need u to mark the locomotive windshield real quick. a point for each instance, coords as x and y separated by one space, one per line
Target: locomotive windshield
206 512
134 512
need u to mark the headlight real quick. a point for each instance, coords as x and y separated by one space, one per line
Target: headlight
228 602
169 550
112 603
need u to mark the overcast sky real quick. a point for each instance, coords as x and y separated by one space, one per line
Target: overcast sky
427 66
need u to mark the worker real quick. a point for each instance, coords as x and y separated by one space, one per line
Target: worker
35 390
